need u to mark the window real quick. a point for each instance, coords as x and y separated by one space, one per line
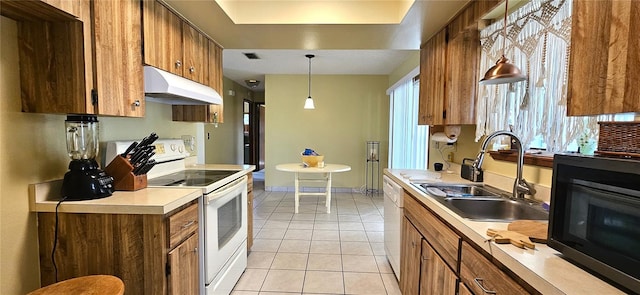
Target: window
538 41
407 139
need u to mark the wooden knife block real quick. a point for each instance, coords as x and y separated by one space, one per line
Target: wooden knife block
123 178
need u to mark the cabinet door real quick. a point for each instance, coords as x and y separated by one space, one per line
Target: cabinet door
603 68
410 259
183 265
162 38
195 46
214 62
436 278
433 57
463 52
118 57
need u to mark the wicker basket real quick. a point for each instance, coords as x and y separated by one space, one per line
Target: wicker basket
621 138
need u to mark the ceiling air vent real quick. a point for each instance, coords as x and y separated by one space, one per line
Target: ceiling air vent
251 55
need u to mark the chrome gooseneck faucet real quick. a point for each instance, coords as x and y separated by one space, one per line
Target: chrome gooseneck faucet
520 186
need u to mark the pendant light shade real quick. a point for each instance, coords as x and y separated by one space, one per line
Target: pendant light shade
503 71
308 103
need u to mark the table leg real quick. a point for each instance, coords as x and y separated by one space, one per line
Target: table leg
328 200
296 192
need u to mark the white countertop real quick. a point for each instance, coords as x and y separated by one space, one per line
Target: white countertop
542 268
43 197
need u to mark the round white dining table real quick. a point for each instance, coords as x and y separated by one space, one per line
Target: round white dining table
300 170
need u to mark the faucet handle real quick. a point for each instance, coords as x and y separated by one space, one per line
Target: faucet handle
525 187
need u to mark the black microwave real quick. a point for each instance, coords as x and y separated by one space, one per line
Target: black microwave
594 218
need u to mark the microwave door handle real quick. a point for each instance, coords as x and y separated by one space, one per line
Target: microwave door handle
229 187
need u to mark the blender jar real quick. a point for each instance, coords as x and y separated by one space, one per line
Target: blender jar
82 136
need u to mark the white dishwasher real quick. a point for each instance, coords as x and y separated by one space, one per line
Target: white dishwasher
393 194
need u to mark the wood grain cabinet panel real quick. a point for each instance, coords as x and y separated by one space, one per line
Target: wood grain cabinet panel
483 277
441 237
133 247
86 63
605 57
183 267
449 69
463 53
162 38
433 59
195 48
118 55
410 258
436 277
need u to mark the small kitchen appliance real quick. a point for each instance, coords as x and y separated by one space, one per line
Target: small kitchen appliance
84 180
595 216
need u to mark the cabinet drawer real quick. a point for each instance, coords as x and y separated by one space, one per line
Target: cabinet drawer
441 237
478 273
182 225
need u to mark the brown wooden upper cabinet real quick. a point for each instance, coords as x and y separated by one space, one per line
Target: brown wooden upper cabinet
448 78
172 44
433 62
86 63
604 62
449 69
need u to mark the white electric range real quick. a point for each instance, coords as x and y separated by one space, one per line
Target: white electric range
223 211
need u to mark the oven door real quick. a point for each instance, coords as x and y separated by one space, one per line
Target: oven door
225 225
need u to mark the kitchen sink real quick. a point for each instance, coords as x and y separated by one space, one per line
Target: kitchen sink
484 203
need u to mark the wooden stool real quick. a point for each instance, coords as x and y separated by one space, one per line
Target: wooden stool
96 284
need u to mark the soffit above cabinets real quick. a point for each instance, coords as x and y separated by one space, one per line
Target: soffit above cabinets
315 12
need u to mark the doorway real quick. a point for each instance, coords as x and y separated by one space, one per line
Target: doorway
253 133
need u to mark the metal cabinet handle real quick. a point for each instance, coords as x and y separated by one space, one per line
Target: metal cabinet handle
188 224
178 63
195 250
192 70
479 282
136 103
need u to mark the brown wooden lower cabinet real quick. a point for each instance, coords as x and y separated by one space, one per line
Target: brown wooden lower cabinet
430 263
152 254
423 271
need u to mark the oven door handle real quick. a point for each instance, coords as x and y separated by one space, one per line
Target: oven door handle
242 181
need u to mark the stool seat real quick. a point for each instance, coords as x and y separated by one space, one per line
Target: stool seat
86 285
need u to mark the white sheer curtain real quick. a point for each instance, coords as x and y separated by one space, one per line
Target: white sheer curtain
538 41
407 139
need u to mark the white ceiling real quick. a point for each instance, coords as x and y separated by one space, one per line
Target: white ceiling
339 48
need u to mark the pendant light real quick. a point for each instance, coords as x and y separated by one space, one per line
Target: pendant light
503 71
308 103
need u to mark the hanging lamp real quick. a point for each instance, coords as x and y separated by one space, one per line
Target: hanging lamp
503 71
308 103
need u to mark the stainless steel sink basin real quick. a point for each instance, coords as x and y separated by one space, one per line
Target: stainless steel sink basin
484 203
502 209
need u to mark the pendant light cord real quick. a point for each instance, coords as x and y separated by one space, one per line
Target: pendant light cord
310 57
504 29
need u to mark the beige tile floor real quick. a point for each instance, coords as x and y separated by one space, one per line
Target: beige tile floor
313 252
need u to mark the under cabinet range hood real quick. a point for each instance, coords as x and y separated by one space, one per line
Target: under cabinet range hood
164 87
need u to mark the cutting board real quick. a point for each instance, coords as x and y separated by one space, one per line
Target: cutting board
506 236
535 230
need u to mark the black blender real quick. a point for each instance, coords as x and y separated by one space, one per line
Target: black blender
84 180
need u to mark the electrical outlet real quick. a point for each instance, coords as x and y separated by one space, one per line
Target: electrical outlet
450 157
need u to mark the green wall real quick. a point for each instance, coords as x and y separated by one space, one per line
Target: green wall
350 110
